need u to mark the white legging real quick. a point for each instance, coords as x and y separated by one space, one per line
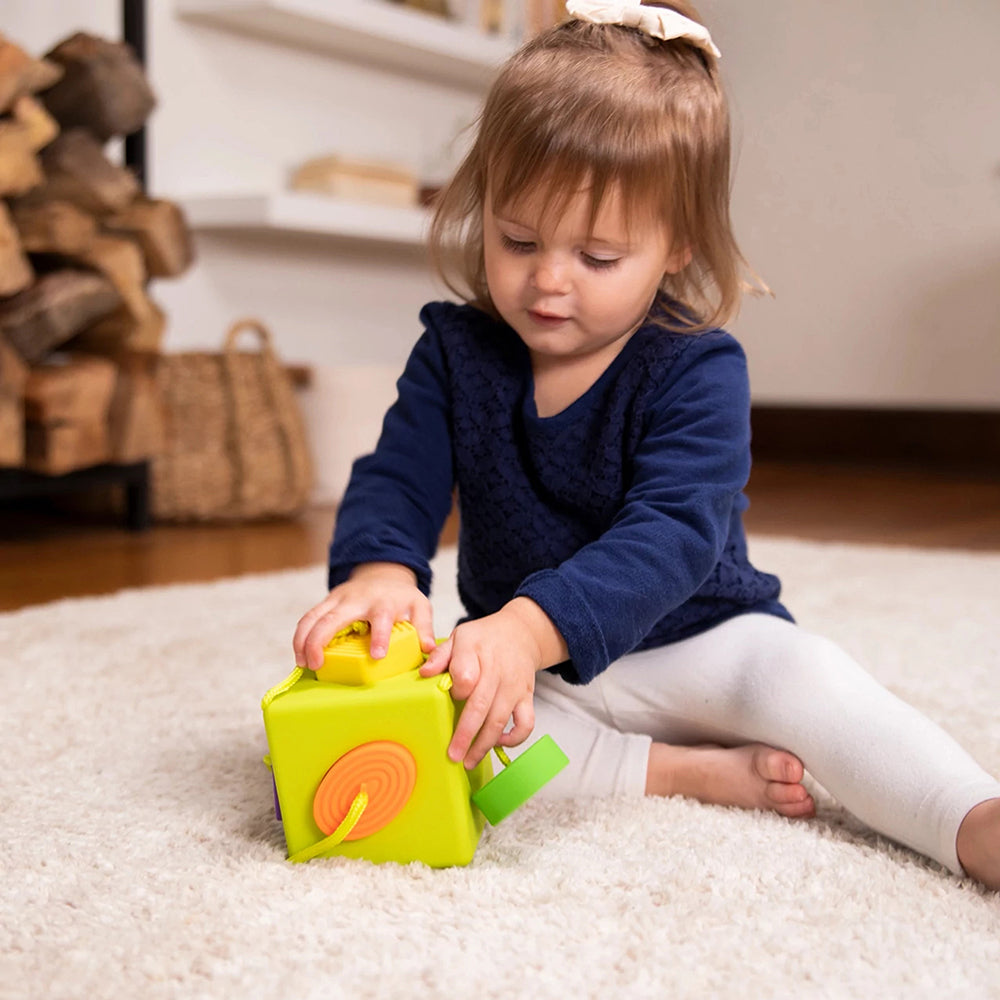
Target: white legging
757 678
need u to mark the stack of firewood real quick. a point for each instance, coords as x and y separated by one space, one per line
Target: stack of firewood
79 243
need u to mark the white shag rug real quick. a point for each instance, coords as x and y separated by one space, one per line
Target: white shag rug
141 859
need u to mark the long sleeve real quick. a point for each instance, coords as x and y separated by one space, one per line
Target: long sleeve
687 473
398 497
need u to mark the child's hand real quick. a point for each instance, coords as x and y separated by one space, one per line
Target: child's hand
493 662
378 593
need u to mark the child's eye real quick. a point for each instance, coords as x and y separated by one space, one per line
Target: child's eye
516 246
600 263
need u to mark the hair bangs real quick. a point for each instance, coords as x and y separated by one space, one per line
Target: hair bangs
589 150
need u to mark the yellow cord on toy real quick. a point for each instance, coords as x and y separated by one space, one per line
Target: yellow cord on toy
349 822
289 682
355 628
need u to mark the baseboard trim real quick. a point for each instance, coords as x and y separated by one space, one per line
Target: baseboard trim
956 439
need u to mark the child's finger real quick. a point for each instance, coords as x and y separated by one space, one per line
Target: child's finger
524 722
381 623
422 618
437 662
314 647
304 627
490 733
323 630
465 675
473 716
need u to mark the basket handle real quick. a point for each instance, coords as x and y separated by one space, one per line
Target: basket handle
252 325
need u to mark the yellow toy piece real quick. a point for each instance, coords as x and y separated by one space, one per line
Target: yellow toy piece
347 661
358 755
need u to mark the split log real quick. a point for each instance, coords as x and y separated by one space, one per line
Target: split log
121 262
16 272
41 127
13 375
55 449
162 233
53 227
122 330
20 170
70 388
11 430
13 370
55 308
21 74
77 170
103 88
67 400
137 324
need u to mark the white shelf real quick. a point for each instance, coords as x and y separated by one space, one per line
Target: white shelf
370 31
287 212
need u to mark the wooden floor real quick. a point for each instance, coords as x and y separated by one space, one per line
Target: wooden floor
48 554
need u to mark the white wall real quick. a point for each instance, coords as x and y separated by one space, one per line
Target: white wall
867 192
868 197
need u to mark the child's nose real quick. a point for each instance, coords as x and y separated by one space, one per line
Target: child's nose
550 275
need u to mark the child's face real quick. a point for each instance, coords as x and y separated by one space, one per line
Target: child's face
567 291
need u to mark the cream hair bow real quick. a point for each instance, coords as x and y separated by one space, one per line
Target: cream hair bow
656 21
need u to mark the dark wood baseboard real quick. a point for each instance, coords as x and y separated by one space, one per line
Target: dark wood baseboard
966 440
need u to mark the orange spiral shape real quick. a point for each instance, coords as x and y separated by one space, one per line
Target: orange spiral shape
388 772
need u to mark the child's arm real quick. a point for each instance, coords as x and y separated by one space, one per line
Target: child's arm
493 662
379 593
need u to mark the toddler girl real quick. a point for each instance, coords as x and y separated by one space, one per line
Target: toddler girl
594 421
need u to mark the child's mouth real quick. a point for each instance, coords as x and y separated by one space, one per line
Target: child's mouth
546 319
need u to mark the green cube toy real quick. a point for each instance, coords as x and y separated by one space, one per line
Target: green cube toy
358 753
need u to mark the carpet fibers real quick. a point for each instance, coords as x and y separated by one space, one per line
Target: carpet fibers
140 857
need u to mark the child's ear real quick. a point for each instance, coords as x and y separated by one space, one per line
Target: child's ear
678 259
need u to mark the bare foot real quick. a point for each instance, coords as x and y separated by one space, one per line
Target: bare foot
978 843
754 776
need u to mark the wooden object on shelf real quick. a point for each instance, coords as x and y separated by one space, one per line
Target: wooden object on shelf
491 16
55 308
355 180
54 227
21 74
13 375
440 8
161 231
77 170
16 272
103 87
542 14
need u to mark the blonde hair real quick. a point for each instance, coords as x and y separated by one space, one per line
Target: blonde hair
592 105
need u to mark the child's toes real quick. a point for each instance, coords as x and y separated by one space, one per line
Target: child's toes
777 765
802 809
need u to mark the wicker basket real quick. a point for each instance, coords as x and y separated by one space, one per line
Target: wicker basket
235 446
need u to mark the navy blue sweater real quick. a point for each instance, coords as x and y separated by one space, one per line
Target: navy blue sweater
621 516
